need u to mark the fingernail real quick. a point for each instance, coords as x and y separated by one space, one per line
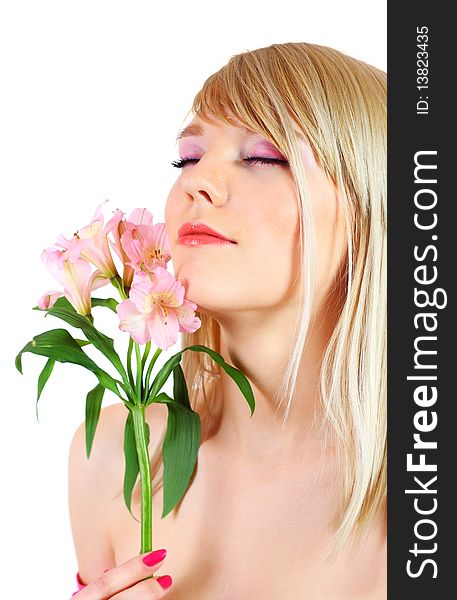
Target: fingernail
165 581
154 557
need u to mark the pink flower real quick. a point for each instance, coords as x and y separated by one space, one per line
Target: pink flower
91 243
76 278
118 226
156 309
146 246
48 299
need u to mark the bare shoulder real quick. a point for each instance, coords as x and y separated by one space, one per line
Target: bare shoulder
108 443
90 484
94 482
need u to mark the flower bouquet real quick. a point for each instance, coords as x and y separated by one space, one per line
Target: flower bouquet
151 308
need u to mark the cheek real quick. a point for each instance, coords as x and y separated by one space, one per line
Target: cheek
276 209
330 232
170 206
173 217
274 241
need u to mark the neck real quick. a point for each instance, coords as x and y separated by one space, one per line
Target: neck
259 345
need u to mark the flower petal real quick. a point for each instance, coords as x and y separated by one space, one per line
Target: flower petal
114 222
97 280
77 275
54 259
140 216
48 299
98 215
188 321
142 288
132 245
163 327
147 246
133 321
169 290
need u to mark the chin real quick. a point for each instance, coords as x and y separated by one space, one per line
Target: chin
210 297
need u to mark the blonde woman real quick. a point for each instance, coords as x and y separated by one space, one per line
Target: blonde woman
285 161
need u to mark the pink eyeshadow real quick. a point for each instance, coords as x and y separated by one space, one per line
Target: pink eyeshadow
189 149
266 150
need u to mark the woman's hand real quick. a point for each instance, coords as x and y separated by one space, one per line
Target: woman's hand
130 581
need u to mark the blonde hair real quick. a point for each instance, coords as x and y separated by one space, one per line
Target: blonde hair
338 103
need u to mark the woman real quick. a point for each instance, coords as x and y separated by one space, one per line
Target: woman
285 159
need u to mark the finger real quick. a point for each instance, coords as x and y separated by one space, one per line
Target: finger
149 589
124 576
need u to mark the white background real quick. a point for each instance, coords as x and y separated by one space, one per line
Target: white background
93 95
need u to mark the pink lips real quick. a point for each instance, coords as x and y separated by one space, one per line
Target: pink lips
194 233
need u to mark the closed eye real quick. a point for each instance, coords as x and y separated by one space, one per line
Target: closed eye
182 162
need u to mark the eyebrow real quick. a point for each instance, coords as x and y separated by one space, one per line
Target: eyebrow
196 129
192 129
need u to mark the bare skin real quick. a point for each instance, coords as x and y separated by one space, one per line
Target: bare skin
243 530
255 522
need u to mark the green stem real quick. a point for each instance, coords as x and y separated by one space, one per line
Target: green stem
149 371
139 427
118 284
146 354
127 377
139 373
129 363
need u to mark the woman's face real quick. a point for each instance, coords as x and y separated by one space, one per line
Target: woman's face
255 205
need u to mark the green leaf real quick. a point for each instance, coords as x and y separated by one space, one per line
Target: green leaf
147 433
46 373
101 341
110 303
59 345
163 375
63 302
132 467
238 377
180 393
43 378
179 451
93 405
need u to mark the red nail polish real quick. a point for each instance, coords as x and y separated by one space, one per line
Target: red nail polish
165 581
154 557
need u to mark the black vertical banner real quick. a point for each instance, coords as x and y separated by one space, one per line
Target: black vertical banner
422 238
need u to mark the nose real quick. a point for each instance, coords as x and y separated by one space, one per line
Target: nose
204 183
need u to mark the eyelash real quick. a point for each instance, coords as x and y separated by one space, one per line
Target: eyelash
182 162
